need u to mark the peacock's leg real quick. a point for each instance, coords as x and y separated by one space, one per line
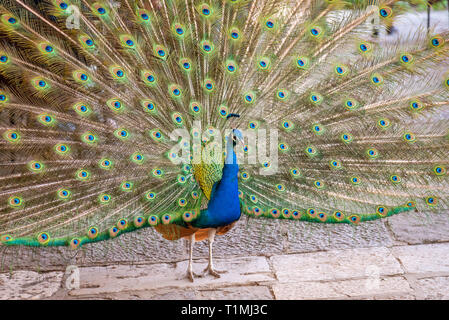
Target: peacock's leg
210 267
190 267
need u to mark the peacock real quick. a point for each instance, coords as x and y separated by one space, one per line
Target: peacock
182 115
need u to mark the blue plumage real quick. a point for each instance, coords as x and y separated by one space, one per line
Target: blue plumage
224 205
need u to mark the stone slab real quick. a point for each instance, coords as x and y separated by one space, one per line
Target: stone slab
103 280
226 293
424 259
308 237
433 288
335 265
420 227
361 288
20 285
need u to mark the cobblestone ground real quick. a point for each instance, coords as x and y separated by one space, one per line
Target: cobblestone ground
403 257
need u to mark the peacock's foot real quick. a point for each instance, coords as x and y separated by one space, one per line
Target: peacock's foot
190 276
216 273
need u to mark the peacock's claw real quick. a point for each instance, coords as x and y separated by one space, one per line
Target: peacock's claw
213 272
190 276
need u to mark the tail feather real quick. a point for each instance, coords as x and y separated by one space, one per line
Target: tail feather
90 93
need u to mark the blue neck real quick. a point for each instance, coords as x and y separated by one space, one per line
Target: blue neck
224 205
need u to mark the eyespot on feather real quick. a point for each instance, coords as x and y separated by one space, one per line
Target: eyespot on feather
195 107
82 109
365 47
207 47
138 158
185 64
234 34
15 202
75 243
117 73
64 194
92 232
382 211
439 170
81 76
46 119
126 186
40 84
10 21
179 30
355 219
157 173
355 180
338 215
377 79
143 16
406 59
385 12
346 137
105 164
150 195
160 52
113 231
302 62
205 11
383 123
209 86
82 175
149 106
122 224
249 97
316 32
36 166
231 67
175 91
89 138
316 98
436 41
341 70
432 201
167 219
322 216
43 238
116 105
86 42
372 153
12 136
139 221
104 198
149 77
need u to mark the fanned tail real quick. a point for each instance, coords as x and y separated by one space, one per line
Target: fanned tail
91 93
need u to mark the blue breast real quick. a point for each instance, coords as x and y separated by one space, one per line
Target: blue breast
224 205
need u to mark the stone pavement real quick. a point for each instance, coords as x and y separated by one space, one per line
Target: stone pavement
398 272
403 257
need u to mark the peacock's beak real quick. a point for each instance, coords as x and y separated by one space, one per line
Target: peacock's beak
237 140
237 136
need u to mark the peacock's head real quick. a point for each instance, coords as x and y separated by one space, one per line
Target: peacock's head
236 135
